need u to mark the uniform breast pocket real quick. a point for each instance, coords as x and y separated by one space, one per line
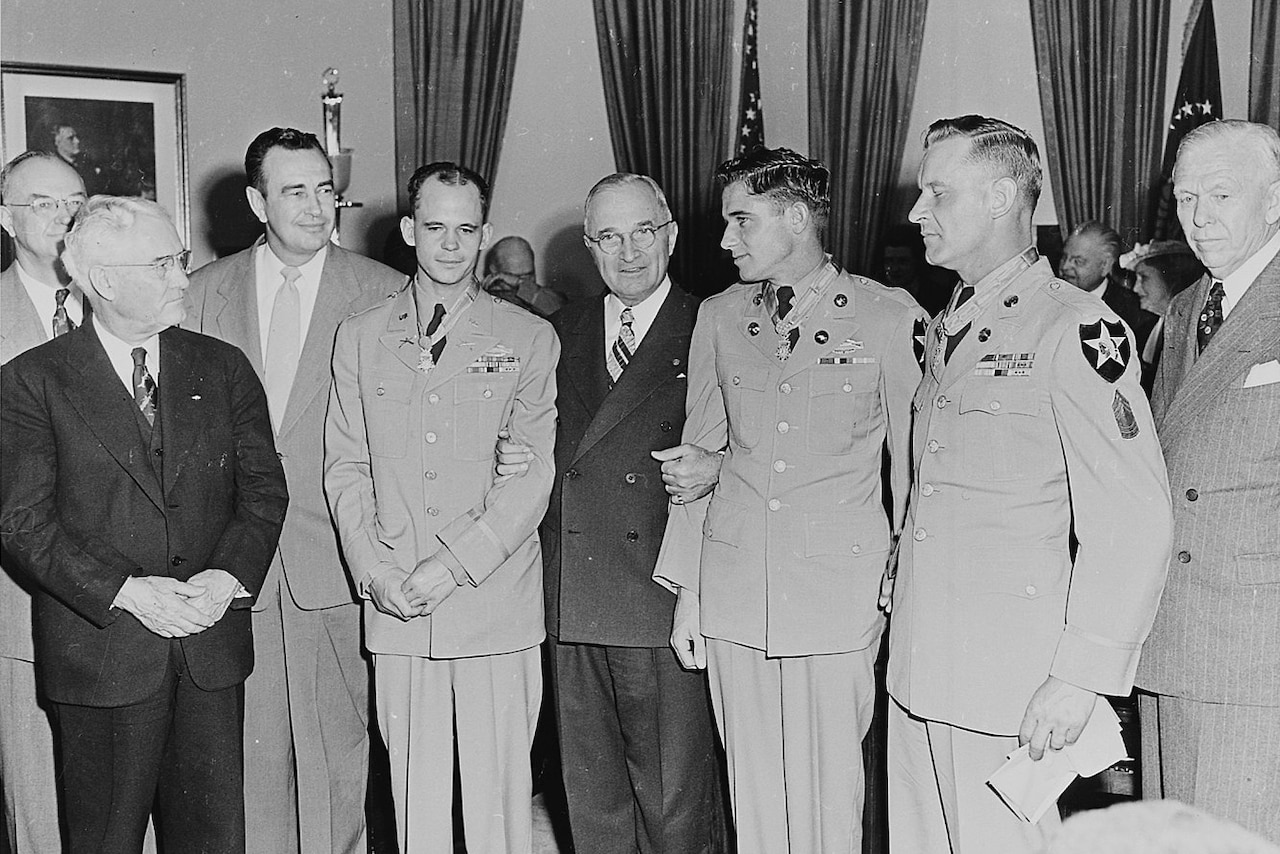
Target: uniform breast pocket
386 401
840 396
1002 430
744 394
479 410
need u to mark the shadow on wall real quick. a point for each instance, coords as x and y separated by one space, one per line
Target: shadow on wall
229 224
567 266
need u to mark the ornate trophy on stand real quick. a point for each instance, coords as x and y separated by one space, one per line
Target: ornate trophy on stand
331 101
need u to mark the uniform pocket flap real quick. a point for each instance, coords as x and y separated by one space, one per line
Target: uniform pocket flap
466 391
1027 573
1258 569
724 521
388 387
1000 399
846 534
846 379
754 378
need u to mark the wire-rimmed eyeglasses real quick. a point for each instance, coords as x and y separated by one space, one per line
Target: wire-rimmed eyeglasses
610 242
46 207
162 267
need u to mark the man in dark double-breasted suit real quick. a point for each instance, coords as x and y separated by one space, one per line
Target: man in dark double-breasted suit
635 728
143 497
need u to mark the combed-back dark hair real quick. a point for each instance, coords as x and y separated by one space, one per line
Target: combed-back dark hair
289 139
785 178
453 174
1008 150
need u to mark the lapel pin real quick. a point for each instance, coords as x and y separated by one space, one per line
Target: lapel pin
406 341
1010 302
984 334
675 362
195 397
821 336
759 298
404 315
841 300
753 328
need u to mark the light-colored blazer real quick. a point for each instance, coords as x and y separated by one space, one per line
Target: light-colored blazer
788 551
1019 442
223 302
20 330
1217 635
409 469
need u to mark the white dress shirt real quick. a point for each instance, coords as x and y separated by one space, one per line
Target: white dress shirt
270 276
121 355
45 299
643 314
1238 282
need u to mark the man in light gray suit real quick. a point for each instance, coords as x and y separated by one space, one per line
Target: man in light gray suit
41 194
306 704
1211 733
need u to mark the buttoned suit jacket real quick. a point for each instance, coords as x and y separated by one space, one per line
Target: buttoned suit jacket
788 551
223 302
988 602
82 507
409 469
1217 634
608 507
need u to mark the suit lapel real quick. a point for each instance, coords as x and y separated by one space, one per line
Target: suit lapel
20 327
583 357
234 307
401 335
650 367
95 391
756 318
1179 348
181 406
826 328
1000 322
472 336
1252 326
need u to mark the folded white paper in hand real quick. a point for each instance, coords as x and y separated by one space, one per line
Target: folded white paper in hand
1029 788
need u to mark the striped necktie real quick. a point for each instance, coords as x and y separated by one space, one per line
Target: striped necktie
623 348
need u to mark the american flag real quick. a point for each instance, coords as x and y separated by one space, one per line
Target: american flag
1198 101
750 111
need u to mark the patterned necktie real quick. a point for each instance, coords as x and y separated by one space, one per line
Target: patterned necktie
144 387
623 348
953 341
284 344
61 323
786 296
437 347
1210 316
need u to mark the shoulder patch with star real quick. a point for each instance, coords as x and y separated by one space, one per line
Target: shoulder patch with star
1106 348
918 335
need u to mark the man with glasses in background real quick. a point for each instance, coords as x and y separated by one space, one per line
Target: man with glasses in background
41 195
143 499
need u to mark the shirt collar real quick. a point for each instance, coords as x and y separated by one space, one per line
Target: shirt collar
121 353
44 297
310 270
1238 282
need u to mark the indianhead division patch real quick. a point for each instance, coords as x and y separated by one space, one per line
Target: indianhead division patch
1106 347
918 332
1124 416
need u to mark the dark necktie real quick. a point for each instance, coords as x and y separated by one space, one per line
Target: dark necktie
953 341
144 387
437 347
786 299
1210 316
61 323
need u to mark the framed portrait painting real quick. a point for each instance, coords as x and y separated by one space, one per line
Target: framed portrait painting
123 131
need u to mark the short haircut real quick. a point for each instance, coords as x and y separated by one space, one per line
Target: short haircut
627 179
1105 234
33 154
1263 138
502 247
289 139
453 174
1179 271
783 177
1006 150
97 224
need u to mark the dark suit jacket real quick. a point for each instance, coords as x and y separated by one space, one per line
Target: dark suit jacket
223 302
82 507
1128 306
608 510
1216 636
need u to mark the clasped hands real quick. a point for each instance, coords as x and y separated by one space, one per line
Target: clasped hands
176 609
406 595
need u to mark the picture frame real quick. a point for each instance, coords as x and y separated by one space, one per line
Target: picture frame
124 131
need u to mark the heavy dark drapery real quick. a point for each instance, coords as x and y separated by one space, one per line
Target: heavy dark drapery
1102 68
454 63
863 59
1264 64
666 71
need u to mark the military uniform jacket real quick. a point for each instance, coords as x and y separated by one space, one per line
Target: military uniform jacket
788 552
409 469
608 510
1034 428
1217 635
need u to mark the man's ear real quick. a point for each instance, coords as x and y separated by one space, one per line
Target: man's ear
1272 209
257 202
406 230
6 221
486 234
1003 197
673 232
799 217
100 280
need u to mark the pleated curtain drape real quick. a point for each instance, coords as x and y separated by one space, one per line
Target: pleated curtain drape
863 60
1264 64
1102 68
454 65
666 67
